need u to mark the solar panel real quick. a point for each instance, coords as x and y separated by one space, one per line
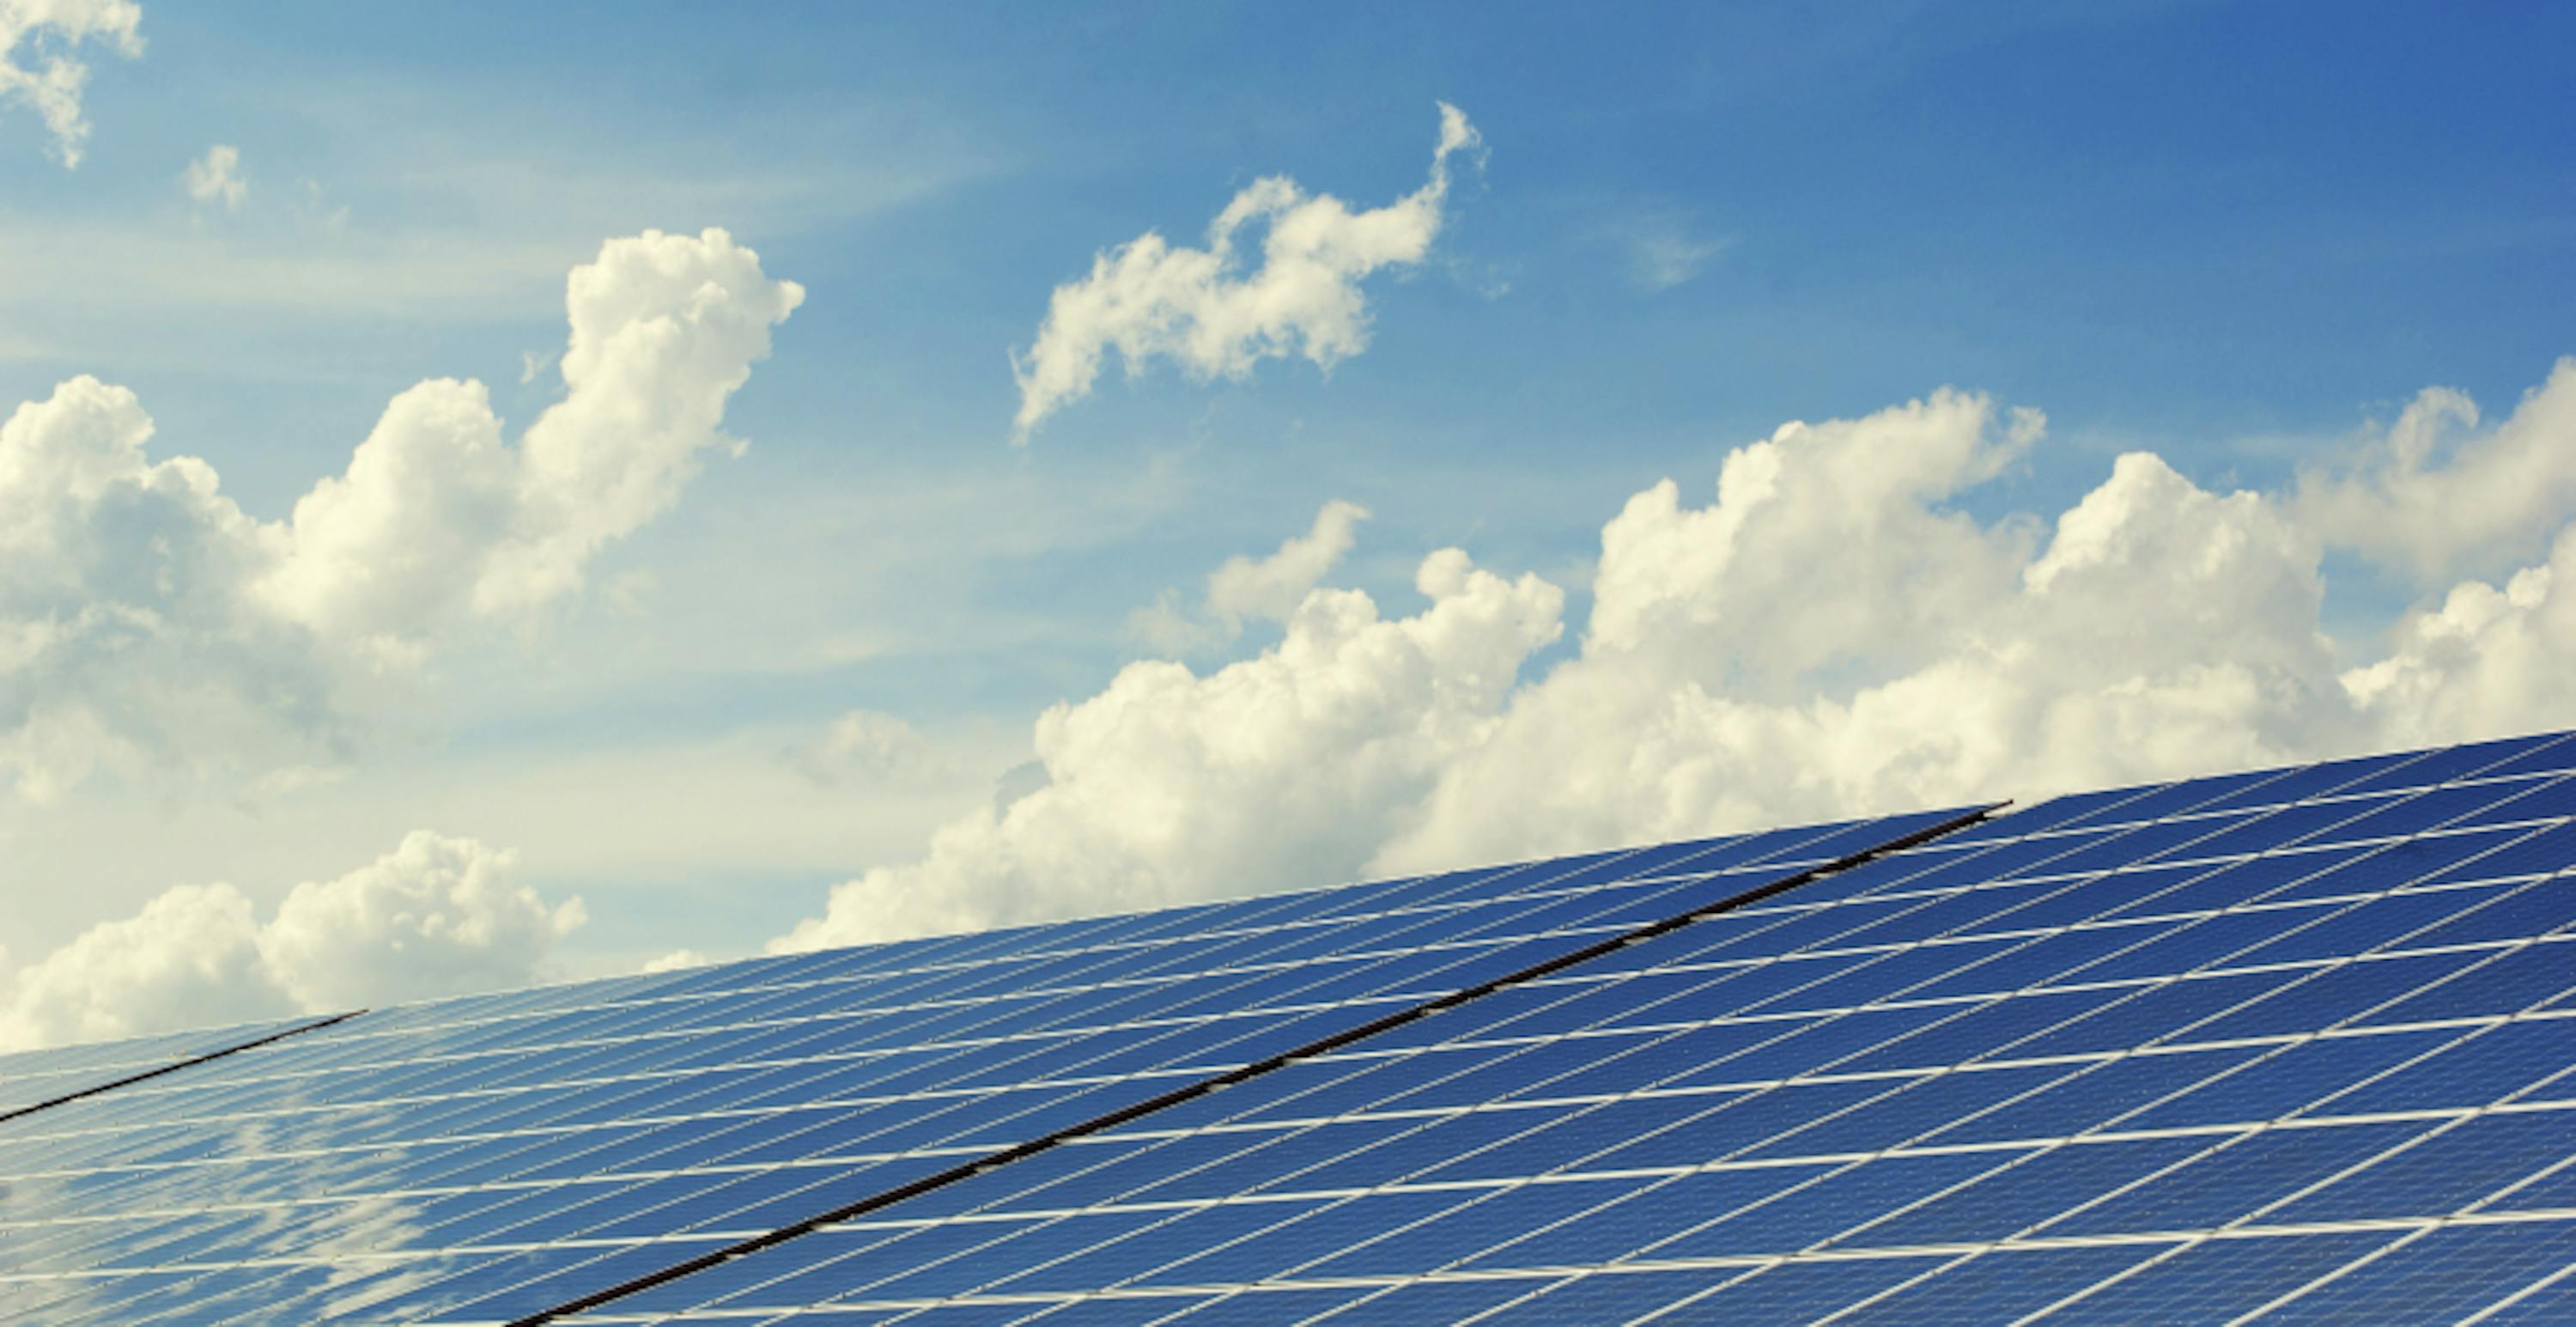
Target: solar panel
2294 1045
501 1154
2286 1044
31 1081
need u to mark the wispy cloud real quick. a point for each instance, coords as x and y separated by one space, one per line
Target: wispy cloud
1661 247
216 178
39 63
1268 588
435 916
1202 309
1663 260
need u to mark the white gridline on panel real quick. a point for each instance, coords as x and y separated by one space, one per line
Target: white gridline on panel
2391 1000
1603 885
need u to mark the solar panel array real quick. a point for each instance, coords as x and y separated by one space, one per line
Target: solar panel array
2281 1046
36 1080
495 1155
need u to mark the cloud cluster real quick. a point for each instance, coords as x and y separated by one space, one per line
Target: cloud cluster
2434 498
1246 588
1828 636
39 66
1199 307
1278 770
2163 630
2487 659
148 623
436 916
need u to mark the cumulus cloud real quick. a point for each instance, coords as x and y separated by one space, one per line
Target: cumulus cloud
1829 635
40 67
1828 545
2162 630
1272 587
2435 497
436 916
128 636
1202 309
148 623
437 515
1282 769
1245 588
216 178
2485 660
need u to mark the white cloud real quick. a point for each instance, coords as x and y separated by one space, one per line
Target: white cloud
216 178
432 917
126 640
1282 769
1199 307
436 916
148 623
2437 499
190 956
2485 660
1828 637
437 515
1828 544
2164 630
676 960
863 746
1272 587
1268 588
39 67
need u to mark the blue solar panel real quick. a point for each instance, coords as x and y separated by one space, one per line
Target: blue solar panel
37 1080
497 1155
2291 1043
2180 1053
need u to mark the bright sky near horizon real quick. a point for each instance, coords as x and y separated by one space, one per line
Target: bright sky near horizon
491 493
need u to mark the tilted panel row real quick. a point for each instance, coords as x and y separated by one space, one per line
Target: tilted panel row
36 1080
2294 1044
496 1154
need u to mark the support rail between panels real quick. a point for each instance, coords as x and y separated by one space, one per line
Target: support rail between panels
177 1065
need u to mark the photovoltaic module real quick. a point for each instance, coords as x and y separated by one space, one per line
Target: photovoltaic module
2282 1046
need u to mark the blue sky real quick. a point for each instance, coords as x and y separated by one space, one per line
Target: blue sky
2241 237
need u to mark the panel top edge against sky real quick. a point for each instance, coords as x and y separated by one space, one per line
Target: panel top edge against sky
2330 784
2378 772
2290 788
21 1071
1776 848
2066 811
2109 817
1886 874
